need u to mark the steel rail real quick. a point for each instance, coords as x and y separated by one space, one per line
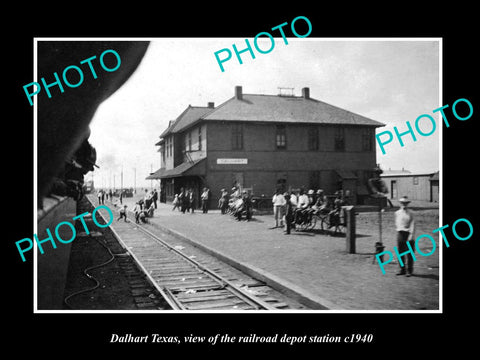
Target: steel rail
171 299
228 285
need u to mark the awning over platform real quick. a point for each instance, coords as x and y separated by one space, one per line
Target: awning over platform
193 168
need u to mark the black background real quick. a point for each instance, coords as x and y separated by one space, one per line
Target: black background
77 334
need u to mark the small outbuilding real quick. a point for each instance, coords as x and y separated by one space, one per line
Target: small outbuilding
423 186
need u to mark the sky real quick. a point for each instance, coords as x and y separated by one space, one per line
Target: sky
387 80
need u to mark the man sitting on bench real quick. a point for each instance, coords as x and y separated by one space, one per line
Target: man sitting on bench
302 207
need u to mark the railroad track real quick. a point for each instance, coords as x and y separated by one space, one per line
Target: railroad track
106 260
188 284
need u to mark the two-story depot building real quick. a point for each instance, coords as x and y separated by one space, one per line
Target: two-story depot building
264 142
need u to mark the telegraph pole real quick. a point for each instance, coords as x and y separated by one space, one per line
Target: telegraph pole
135 180
121 179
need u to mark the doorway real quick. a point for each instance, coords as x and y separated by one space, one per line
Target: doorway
393 189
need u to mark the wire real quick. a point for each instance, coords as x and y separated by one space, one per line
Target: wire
91 277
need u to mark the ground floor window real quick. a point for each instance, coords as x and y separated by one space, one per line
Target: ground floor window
169 189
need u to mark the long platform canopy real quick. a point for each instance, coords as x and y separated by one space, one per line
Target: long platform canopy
188 168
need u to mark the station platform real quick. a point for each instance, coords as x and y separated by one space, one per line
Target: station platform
313 267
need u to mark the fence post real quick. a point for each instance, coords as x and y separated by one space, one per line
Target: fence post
349 213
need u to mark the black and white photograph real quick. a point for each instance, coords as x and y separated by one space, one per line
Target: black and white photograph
259 188
253 182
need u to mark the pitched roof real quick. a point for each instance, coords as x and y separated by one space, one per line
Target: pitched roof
270 108
190 115
394 172
408 173
435 176
274 108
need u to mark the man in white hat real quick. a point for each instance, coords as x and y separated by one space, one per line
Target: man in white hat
405 226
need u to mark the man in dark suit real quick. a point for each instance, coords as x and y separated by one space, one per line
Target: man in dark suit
289 210
155 197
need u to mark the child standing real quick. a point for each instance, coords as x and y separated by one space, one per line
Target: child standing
123 213
176 203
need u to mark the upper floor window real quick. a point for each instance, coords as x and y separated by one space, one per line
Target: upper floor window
168 141
281 137
313 138
162 153
200 138
367 140
339 139
237 137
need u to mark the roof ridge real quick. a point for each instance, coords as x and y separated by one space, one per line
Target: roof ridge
198 106
217 108
335 114
178 126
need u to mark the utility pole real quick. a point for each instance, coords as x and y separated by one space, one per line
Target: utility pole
121 179
135 180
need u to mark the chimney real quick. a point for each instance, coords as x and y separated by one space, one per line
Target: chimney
238 92
306 93
211 105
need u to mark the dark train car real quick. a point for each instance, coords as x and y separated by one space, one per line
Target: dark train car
62 139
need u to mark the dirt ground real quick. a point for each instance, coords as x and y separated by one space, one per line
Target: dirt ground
121 286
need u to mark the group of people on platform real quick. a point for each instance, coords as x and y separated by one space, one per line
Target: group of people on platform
184 201
289 208
298 207
143 209
238 203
